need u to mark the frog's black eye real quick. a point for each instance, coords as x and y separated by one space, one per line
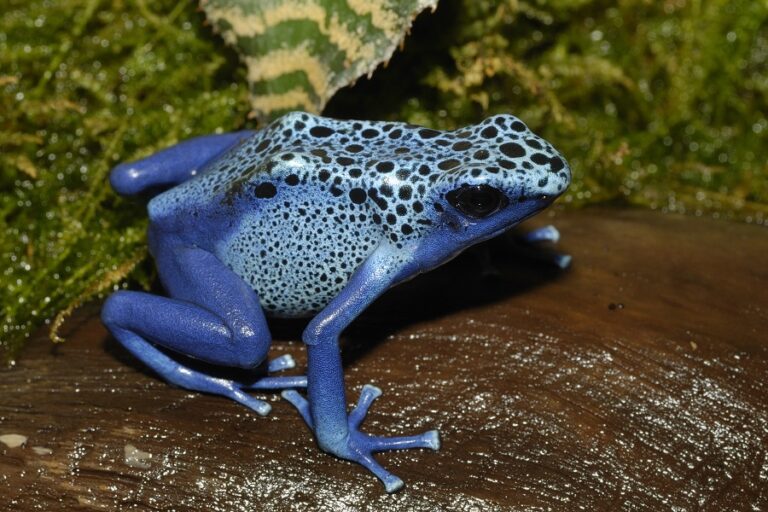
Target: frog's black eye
478 201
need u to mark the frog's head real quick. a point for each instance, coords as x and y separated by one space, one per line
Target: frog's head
514 175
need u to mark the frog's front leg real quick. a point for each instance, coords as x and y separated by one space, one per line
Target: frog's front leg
549 234
326 410
211 315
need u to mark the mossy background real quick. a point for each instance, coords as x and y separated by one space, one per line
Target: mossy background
659 104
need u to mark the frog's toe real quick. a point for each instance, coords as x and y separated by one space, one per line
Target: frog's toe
391 482
360 448
545 234
261 407
368 394
266 382
301 404
552 235
562 260
558 259
429 439
275 383
283 362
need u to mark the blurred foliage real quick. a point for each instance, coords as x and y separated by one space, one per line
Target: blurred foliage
655 103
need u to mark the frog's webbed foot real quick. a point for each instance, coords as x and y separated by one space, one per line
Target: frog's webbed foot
527 245
358 446
552 235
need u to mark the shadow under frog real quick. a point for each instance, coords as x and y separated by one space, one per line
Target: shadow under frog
314 217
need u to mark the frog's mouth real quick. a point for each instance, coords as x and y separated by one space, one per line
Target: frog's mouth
458 233
501 230
531 207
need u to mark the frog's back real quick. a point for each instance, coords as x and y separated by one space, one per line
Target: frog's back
310 141
337 156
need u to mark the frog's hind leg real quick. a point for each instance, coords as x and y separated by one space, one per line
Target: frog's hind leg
212 315
173 165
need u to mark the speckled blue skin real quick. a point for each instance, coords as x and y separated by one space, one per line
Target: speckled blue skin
312 217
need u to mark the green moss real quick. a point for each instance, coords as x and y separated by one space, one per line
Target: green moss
658 104
83 85
661 104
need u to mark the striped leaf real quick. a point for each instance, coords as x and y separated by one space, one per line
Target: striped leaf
300 52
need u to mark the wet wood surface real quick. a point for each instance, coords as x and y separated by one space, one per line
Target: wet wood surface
636 380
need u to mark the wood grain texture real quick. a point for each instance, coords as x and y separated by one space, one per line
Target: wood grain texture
637 380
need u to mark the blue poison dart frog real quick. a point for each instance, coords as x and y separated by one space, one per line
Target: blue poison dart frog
314 217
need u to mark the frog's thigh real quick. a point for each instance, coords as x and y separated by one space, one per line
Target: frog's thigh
212 314
134 317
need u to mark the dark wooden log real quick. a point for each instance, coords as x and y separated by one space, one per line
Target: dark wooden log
637 380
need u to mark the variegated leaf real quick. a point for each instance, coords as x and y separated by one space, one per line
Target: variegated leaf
300 52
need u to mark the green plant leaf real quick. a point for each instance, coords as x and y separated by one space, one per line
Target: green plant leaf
300 52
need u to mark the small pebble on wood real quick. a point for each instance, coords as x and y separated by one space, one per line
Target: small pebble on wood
13 440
